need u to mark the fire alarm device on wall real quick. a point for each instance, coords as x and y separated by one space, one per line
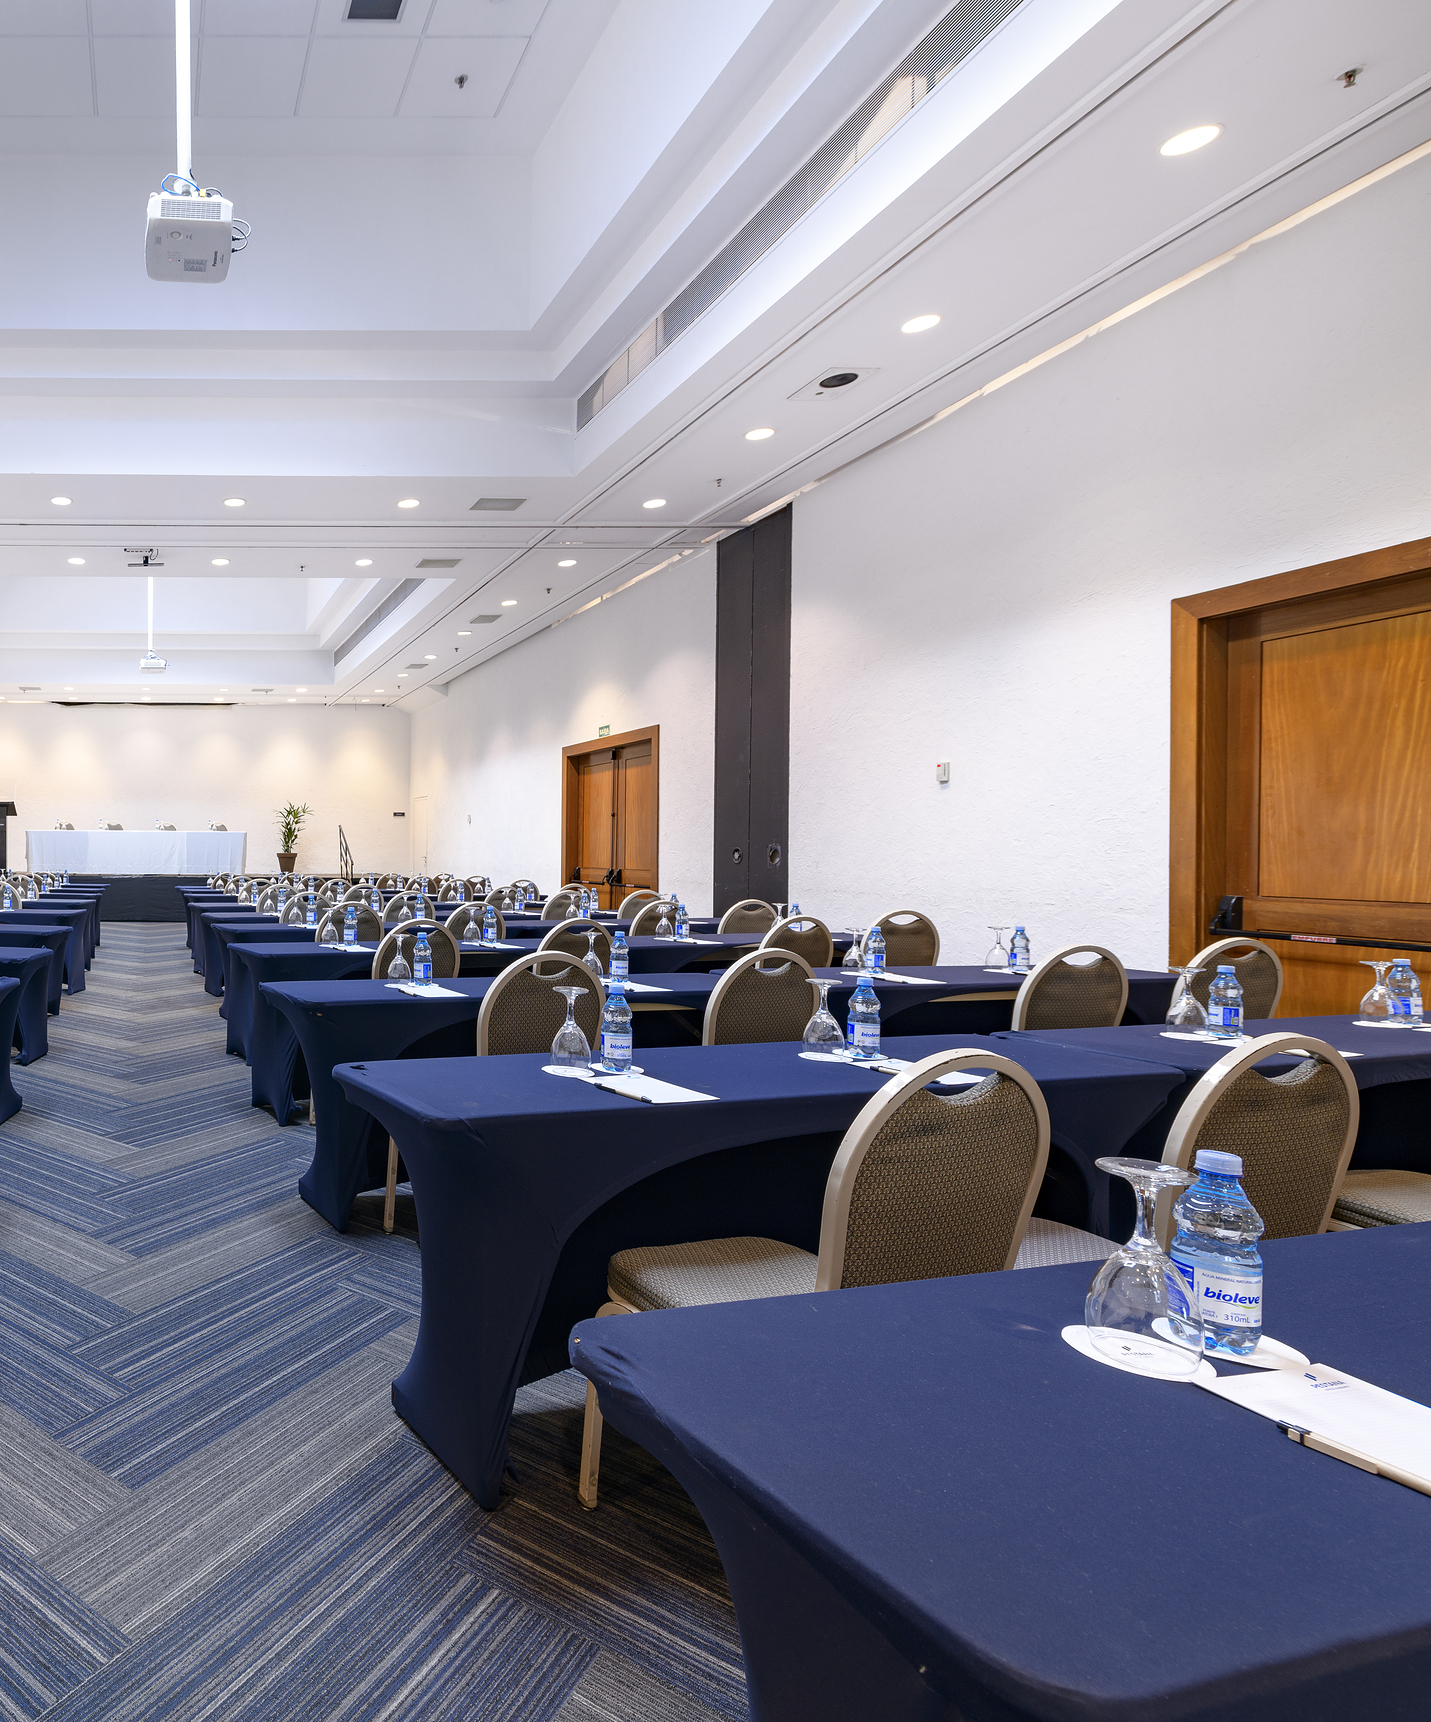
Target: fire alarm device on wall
941 771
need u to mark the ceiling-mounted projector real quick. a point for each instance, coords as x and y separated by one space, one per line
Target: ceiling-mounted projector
188 238
151 664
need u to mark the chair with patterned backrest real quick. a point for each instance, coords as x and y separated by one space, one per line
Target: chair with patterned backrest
633 901
521 1013
295 911
356 894
570 937
447 892
478 885
526 885
804 935
1384 1197
556 906
407 906
751 915
267 903
389 881
911 940
367 928
648 917
446 956
765 995
924 1186
465 922
495 895
1061 994
1294 1132
1258 971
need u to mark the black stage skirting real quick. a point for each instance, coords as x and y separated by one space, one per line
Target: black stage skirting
140 896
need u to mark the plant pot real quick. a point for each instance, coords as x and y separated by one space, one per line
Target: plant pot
286 860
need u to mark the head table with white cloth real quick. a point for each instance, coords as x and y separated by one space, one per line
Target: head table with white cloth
192 852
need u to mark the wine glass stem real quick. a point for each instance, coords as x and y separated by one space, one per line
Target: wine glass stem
1145 1232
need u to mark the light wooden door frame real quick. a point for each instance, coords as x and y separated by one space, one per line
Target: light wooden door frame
1197 858
570 798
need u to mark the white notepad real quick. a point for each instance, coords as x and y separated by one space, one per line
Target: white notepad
425 990
643 987
906 980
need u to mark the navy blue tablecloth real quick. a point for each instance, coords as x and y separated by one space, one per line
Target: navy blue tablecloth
1393 1077
927 1504
10 991
30 966
73 917
89 924
24 932
206 952
279 960
526 1183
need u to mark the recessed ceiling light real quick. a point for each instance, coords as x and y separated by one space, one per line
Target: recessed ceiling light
429 656
69 690
752 436
570 562
402 675
917 325
303 690
507 603
61 501
219 562
463 633
76 561
233 502
218 699
655 502
364 562
408 502
1190 140
292 701
223 690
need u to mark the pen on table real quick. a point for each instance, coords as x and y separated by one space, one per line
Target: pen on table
611 1088
1351 1456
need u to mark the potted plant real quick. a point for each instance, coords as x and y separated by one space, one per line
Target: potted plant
290 822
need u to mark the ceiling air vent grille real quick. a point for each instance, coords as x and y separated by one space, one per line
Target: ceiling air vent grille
439 561
404 589
952 39
496 504
191 209
484 618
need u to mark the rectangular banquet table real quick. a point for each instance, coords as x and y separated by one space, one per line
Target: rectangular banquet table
25 931
80 918
526 1183
267 1041
929 1506
1393 1078
135 851
30 966
10 990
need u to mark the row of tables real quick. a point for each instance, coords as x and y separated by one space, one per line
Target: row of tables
525 1184
46 945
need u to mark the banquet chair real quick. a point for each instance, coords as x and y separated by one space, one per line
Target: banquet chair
1061 994
110 825
648 917
557 905
460 915
495 895
763 996
1294 1132
752 915
570 938
448 891
356 894
267 901
1258 971
804 935
168 827
368 929
478 885
413 905
69 825
526 885
1384 1197
521 1013
634 900
923 1186
910 939
389 881
220 827
446 957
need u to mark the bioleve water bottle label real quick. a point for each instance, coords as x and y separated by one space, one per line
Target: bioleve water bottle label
620 965
864 1037
1226 1016
1225 1299
616 1045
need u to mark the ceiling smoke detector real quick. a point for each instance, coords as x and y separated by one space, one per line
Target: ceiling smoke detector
834 380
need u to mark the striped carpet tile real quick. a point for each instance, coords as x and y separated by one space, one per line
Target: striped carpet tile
211 1510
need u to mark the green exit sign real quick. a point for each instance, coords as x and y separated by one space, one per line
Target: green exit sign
604 730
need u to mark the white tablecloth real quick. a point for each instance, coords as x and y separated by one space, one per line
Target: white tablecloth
194 852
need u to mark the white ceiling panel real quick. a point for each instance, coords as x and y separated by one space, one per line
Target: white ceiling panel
43 18
487 62
41 75
135 17
334 21
485 17
135 75
258 17
250 76
355 77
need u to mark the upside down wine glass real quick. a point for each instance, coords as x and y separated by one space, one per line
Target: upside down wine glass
822 1032
1140 1311
592 961
854 957
570 1050
1376 1006
998 957
1185 1011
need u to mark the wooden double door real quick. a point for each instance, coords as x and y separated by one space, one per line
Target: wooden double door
1302 770
610 809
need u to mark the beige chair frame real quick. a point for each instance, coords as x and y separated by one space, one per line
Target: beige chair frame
634 900
1025 994
1211 955
435 932
1179 1148
774 959
536 964
918 914
743 904
648 917
581 925
460 912
794 924
557 905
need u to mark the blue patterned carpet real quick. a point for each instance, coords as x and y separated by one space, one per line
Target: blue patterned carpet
208 1507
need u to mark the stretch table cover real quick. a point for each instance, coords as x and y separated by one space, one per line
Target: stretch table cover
30 966
927 1504
10 991
27 933
80 918
135 851
526 1183
269 1044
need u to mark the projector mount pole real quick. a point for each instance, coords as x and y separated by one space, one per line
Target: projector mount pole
151 617
183 101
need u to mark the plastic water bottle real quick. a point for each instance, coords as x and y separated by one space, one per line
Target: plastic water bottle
683 922
461 891
1215 1247
31 894
862 1025
422 959
1224 1005
1405 992
794 911
67 875
489 925
350 925
620 959
9 897
282 897
1019 959
377 902
874 952
310 918
616 1029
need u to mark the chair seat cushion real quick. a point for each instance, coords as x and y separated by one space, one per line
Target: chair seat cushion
716 1270
1386 1198
1049 1242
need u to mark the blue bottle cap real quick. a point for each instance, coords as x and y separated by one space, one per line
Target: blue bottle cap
1214 1160
1226 969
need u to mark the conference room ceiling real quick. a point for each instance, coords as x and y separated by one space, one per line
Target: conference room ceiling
1021 201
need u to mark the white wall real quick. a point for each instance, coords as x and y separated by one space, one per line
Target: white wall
236 765
493 747
995 591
